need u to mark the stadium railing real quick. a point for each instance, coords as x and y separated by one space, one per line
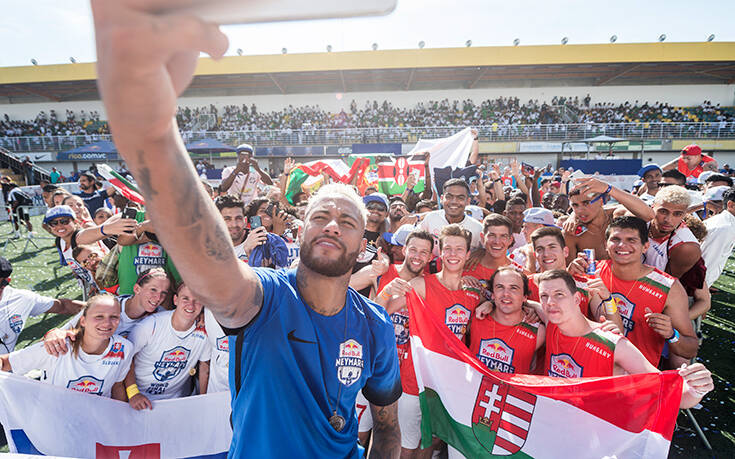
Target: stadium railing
348 136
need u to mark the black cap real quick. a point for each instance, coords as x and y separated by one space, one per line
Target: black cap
6 269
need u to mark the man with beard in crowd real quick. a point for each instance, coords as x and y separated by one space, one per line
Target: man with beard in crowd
396 211
287 317
651 176
233 213
395 282
92 197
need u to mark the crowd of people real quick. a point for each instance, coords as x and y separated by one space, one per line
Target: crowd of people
373 114
534 259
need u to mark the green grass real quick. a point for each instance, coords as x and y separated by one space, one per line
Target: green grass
39 270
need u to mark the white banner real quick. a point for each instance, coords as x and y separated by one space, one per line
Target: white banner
544 147
43 419
448 151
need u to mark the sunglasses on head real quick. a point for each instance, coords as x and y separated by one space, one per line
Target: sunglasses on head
59 221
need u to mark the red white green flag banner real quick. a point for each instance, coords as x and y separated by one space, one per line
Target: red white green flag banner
485 414
121 184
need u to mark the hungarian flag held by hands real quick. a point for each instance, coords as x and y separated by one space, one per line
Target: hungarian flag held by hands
485 414
121 184
336 169
393 172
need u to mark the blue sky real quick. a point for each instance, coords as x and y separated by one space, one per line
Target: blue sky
51 31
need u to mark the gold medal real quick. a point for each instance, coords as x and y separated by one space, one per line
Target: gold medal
193 371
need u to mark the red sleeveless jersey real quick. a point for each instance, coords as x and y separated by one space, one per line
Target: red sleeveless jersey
503 348
584 305
588 356
632 299
450 307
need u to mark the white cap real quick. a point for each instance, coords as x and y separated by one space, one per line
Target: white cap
539 215
715 193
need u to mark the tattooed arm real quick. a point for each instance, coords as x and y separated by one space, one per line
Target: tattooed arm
386 432
144 62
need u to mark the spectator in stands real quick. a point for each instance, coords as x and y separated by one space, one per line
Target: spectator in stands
54 176
92 197
239 180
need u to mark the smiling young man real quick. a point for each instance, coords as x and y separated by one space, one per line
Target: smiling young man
653 305
496 239
502 341
579 348
92 197
296 322
651 176
417 251
455 197
673 247
450 303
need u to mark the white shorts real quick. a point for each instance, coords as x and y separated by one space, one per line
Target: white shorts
409 418
364 416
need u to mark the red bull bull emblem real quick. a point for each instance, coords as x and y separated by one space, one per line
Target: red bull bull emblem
172 362
349 362
496 355
86 384
456 319
223 344
626 309
501 419
564 366
16 323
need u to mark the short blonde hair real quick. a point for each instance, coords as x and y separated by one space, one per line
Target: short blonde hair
337 190
673 194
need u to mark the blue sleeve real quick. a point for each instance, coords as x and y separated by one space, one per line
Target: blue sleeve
272 283
103 193
384 385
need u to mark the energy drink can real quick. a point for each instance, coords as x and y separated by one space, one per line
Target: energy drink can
589 254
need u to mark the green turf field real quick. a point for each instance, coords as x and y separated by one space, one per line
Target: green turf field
39 270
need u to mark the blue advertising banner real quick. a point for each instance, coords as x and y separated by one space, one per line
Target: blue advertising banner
290 151
371 148
103 150
339 150
604 166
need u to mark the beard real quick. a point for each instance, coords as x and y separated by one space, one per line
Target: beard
410 268
326 267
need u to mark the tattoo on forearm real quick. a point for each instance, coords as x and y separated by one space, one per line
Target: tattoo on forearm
144 176
387 442
217 244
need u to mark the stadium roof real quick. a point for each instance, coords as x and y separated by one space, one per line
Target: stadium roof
401 70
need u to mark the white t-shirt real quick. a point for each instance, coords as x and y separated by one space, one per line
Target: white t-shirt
165 356
240 251
126 323
245 186
220 363
657 254
519 240
434 221
92 374
718 244
15 307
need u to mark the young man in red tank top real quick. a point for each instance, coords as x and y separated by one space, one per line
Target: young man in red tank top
502 341
652 304
448 302
417 252
576 347
496 238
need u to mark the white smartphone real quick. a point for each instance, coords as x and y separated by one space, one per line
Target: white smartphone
253 11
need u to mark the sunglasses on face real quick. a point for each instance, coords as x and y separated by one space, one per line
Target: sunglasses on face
376 207
90 258
59 221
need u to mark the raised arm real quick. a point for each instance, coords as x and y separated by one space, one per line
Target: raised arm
144 62
630 201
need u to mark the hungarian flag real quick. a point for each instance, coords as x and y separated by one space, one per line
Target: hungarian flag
121 184
486 414
335 168
394 171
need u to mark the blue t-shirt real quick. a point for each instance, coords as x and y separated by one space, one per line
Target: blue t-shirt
295 360
93 201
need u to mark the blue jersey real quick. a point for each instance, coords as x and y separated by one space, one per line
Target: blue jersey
294 362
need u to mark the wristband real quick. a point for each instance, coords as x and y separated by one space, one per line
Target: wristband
384 293
102 230
132 391
674 338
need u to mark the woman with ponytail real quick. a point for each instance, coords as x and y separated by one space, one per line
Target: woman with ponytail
99 359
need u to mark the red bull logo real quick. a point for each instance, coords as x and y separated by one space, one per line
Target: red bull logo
626 309
457 315
496 349
86 384
150 250
349 363
564 366
116 352
172 362
16 323
223 344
